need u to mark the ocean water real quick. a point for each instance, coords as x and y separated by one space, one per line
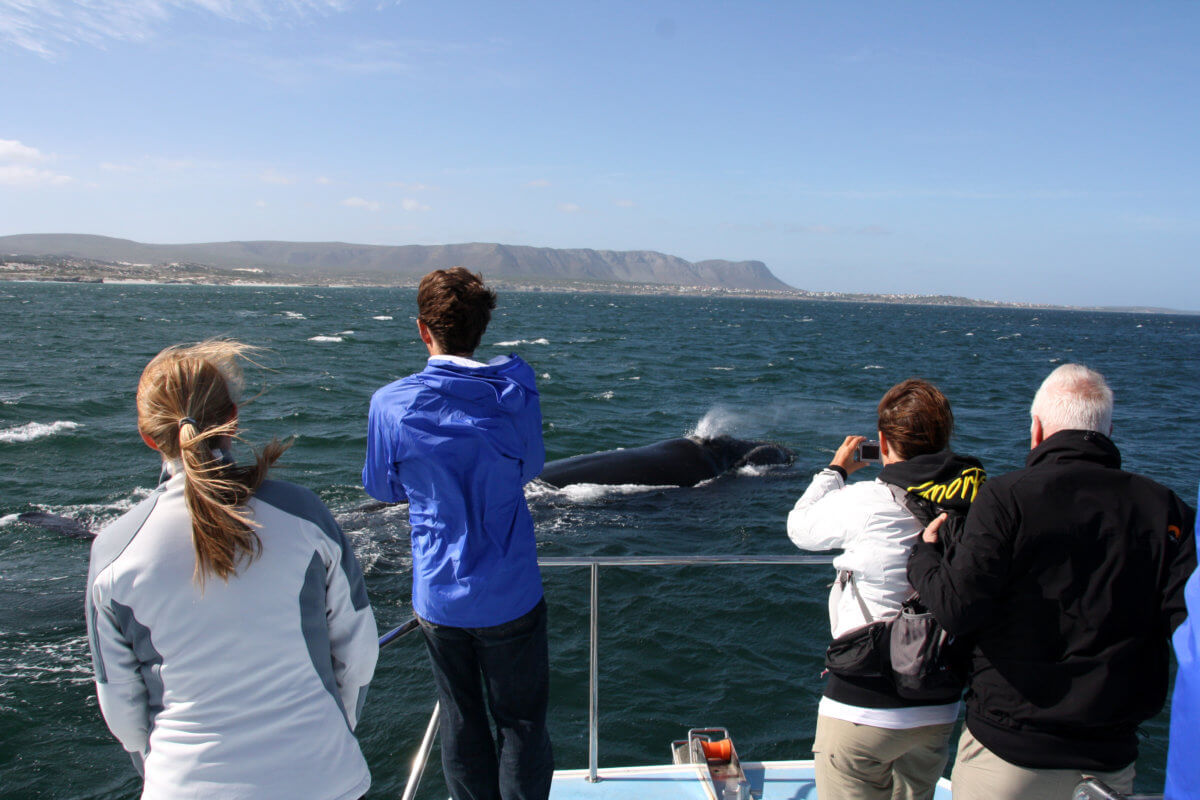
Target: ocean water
680 647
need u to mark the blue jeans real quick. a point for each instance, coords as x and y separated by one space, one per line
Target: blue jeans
512 663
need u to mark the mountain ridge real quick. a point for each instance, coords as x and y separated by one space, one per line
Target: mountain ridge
407 263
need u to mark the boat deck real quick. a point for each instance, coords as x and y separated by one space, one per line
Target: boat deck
772 780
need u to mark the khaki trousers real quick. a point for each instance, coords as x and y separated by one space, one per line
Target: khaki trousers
862 762
980 774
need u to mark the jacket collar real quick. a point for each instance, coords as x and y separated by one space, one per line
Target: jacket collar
1073 445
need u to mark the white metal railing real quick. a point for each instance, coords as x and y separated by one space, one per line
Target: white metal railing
593 563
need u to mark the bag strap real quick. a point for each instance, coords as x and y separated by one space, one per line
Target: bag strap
847 576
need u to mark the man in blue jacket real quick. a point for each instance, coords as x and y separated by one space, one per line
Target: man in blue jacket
458 441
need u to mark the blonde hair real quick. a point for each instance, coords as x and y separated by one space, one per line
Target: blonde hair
187 404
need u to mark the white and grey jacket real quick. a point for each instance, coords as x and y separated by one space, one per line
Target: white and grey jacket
876 534
249 688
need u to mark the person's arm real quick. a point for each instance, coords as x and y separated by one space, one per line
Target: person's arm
123 696
353 637
1181 551
535 448
379 476
818 521
962 586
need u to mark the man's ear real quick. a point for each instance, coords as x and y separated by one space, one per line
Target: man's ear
1037 434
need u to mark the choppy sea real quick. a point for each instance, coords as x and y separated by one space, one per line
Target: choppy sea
680 647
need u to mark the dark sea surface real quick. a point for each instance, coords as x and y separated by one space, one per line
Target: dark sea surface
680 647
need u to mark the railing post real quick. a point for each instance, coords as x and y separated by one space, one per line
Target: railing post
594 679
422 757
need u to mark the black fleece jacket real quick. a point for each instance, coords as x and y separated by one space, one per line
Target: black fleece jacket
1067 582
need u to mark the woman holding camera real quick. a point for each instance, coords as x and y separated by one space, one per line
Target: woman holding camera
871 742
231 636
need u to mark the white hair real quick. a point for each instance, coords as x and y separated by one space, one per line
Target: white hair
1074 397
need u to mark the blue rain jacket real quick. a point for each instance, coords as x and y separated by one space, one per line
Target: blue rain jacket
459 443
1183 766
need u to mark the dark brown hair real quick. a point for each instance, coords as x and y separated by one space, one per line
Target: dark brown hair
916 419
186 402
456 307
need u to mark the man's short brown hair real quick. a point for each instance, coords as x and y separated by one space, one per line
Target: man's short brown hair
916 419
456 307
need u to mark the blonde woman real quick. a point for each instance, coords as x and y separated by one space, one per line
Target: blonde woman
231 636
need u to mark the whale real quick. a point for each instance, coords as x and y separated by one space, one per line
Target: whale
57 523
684 461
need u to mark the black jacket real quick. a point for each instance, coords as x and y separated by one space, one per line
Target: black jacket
1067 582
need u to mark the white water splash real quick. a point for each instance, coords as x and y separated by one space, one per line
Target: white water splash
719 420
519 342
36 430
326 339
383 318
294 315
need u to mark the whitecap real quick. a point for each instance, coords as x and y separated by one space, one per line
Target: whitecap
588 492
9 519
345 333
12 398
545 376
36 430
721 369
604 395
873 366
294 315
519 342
325 339
968 334
383 318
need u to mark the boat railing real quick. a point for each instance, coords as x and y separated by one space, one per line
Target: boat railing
593 563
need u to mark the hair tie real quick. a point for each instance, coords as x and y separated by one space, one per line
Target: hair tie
189 421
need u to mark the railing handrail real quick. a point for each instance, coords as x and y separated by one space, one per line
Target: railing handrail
594 563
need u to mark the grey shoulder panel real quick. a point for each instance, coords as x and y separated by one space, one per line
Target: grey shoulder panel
315 626
301 502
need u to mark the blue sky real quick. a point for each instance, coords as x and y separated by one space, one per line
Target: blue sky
1013 151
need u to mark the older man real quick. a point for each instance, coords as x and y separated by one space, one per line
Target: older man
1067 583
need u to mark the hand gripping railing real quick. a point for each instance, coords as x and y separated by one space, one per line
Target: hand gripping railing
593 563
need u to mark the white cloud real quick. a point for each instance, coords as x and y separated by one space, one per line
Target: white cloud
261 204
569 208
12 150
109 166
540 183
271 176
624 203
17 166
358 202
24 175
409 204
45 26
323 181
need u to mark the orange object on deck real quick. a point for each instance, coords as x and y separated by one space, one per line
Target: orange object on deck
722 749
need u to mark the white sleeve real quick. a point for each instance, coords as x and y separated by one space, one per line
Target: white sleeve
119 686
353 638
819 520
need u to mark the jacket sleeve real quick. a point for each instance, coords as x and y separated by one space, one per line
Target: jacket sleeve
379 470
819 519
123 696
353 638
535 448
1181 550
962 586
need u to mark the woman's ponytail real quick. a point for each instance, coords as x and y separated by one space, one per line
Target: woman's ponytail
186 406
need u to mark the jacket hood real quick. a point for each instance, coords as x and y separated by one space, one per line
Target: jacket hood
1073 445
505 382
946 480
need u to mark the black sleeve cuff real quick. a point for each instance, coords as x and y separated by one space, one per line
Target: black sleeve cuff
839 471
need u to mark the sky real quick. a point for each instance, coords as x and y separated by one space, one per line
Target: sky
1016 151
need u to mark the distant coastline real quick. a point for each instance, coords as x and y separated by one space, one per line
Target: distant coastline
67 269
